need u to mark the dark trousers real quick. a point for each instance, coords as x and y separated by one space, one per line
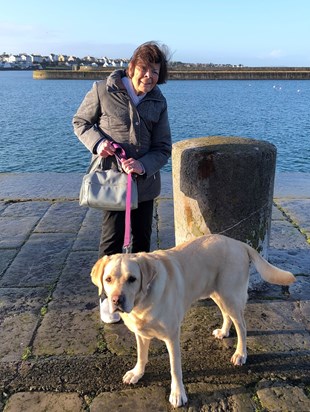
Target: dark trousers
113 230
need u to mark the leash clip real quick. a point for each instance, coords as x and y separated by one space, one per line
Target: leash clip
127 249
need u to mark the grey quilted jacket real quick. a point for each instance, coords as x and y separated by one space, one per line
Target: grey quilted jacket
143 131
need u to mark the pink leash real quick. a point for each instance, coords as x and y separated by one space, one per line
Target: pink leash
120 154
127 237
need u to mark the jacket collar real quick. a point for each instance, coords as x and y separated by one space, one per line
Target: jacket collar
115 84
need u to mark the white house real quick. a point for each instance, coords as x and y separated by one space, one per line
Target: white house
26 58
36 58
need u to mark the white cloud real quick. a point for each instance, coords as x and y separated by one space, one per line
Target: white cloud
276 54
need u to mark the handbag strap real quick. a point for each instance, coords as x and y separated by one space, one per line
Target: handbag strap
119 155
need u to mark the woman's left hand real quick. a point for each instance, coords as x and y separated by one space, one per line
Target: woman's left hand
132 166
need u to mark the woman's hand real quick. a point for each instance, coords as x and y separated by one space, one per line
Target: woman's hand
105 149
133 166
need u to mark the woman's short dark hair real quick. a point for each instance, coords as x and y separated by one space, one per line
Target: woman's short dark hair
151 52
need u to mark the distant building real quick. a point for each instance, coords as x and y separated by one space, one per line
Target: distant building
36 58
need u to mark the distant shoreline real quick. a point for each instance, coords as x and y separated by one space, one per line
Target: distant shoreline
248 73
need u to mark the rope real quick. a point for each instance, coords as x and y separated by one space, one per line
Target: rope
243 220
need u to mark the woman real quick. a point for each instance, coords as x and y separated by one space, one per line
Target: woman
129 108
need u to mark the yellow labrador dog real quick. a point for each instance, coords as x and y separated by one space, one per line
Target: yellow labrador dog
153 291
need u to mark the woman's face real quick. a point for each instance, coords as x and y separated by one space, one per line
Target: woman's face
145 77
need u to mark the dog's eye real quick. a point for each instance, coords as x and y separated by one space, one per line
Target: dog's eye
108 279
131 279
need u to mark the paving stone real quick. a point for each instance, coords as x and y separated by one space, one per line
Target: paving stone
298 211
166 238
292 185
275 327
166 186
19 315
44 401
62 217
75 288
288 248
42 186
16 335
20 300
285 236
214 398
18 209
39 262
121 341
300 290
277 214
6 258
150 399
67 332
89 234
3 206
14 232
198 325
280 397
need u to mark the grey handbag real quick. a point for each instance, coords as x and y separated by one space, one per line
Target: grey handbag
106 189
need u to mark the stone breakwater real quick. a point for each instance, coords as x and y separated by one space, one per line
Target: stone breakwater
250 73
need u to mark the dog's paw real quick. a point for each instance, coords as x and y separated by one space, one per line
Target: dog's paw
220 334
178 398
131 377
238 359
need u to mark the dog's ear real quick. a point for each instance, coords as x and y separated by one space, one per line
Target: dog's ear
148 269
97 273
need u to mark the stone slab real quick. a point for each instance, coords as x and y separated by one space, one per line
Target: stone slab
40 260
42 186
292 185
6 258
288 248
150 399
67 332
2 206
298 212
283 397
18 209
62 217
14 232
88 237
16 334
208 397
44 401
165 218
19 316
75 288
274 327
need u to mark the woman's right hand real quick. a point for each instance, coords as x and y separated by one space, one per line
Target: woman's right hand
105 149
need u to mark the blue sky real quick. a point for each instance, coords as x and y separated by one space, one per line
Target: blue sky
253 33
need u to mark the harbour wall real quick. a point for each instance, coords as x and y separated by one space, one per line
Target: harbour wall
253 73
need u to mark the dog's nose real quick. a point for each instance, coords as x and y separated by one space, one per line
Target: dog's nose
118 300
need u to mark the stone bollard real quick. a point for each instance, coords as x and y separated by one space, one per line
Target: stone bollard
224 185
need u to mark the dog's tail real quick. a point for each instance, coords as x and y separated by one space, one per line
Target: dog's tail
268 272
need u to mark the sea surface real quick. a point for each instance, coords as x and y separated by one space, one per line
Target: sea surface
36 134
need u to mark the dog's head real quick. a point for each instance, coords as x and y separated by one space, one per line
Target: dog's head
124 278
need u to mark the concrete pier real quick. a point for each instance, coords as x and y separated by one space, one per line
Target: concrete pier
56 355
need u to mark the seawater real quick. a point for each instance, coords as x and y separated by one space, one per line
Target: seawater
36 134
